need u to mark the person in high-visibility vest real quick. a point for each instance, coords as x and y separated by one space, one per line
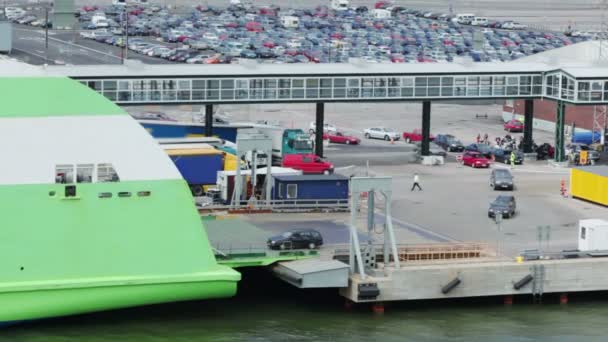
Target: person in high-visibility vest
512 159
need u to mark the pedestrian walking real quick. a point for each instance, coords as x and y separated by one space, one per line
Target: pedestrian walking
416 182
512 159
485 138
478 138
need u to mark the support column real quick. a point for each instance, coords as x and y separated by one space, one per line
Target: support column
528 123
426 128
319 122
209 120
560 122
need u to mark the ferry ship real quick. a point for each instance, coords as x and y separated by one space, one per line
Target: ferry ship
95 216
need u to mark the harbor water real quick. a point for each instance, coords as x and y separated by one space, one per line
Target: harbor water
266 310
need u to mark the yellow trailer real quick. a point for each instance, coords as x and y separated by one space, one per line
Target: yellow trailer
590 183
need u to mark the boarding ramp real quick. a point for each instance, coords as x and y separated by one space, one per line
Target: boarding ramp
313 273
237 244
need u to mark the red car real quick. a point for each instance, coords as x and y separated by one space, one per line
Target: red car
415 135
514 126
475 160
340 138
308 163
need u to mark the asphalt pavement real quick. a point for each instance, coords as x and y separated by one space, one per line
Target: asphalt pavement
67 47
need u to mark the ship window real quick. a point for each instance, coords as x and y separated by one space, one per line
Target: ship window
64 174
84 173
105 195
143 193
124 194
292 190
106 173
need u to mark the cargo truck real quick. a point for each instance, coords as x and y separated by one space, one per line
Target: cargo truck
285 141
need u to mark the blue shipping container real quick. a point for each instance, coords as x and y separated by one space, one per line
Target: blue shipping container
310 187
199 169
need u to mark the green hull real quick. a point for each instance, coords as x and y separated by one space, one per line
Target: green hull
31 305
62 256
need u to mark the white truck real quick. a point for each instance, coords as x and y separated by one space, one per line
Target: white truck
339 5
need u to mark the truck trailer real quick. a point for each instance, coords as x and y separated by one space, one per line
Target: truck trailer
198 166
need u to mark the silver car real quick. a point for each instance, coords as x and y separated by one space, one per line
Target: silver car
381 133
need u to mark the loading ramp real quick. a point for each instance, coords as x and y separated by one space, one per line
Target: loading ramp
313 273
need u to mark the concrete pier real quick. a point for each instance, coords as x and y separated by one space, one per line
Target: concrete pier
478 278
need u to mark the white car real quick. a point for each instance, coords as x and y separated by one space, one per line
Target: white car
381 133
511 25
326 128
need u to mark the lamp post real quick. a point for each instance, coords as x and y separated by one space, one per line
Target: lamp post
498 220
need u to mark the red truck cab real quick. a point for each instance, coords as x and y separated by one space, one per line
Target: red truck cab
308 163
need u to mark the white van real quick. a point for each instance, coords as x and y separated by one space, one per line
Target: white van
339 5
464 18
289 21
480 21
379 13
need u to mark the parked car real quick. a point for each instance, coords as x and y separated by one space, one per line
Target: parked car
340 138
475 159
501 179
381 133
503 155
415 135
484 149
514 126
296 239
449 143
434 149
308 163
503 204
326 128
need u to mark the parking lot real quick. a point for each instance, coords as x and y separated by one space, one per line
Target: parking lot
209 34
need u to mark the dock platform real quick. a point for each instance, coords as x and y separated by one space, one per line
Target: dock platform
479 277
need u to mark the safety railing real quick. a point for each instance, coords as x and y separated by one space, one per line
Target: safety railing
426 252
281 205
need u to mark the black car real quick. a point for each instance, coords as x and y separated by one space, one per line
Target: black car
484 149
296 239
504 156
503 204
449 143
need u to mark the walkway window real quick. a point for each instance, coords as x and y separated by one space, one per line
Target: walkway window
447 86
433 86
583 91
512 85
460 86
421 83
473 86
485 88
499 85
596 91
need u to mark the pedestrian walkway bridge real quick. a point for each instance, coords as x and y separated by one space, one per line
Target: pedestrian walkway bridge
135 83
